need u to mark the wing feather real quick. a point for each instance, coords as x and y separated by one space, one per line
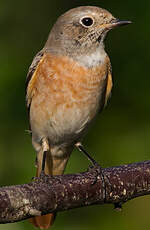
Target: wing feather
31 76
109 83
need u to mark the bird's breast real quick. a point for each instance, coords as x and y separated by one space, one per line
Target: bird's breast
66 97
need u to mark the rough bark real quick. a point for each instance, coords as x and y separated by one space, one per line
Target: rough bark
58 193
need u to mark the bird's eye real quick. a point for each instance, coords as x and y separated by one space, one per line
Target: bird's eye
87 21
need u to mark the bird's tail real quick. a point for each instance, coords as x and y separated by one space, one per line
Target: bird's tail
52 167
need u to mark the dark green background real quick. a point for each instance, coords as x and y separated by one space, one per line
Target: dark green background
121 133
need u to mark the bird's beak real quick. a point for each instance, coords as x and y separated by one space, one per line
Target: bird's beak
111 25
116 23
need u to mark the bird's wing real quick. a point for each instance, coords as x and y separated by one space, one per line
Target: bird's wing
31 76
109 83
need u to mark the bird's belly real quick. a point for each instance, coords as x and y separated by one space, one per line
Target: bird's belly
64 124
68 125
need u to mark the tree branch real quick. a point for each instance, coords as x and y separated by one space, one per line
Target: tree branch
58 193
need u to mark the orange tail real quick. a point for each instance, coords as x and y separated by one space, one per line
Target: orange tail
45 221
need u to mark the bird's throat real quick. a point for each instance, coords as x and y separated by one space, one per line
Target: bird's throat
90 60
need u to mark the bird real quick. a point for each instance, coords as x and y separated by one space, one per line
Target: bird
67 85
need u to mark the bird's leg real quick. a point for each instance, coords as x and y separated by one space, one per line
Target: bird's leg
80 147
104 177
45 148
95 166
41 159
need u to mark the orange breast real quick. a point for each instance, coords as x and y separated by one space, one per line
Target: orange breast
64 96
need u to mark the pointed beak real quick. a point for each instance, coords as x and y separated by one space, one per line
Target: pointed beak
117 22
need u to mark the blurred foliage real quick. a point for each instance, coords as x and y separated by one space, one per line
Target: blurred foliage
121 133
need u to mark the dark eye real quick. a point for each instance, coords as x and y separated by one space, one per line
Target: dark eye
87 21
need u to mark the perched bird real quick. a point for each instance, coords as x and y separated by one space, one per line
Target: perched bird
68 84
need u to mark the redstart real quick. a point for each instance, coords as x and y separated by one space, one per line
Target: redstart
68 84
